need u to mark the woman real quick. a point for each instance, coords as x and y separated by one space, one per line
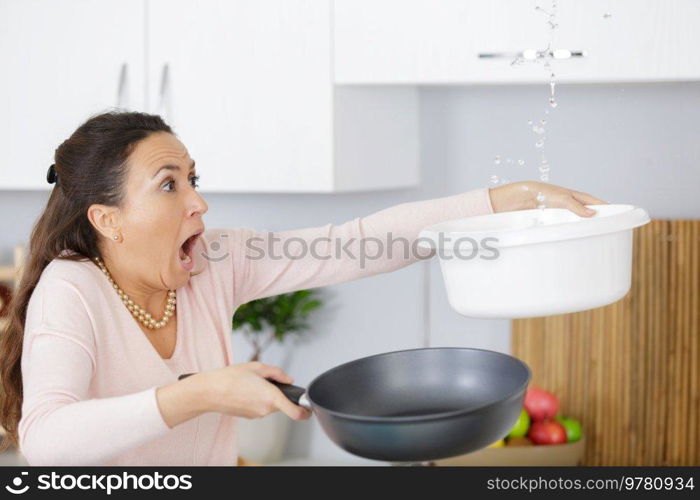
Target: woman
124 290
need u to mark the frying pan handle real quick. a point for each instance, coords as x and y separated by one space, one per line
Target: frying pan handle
294 393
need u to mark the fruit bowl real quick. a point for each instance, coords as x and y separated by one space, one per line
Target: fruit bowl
540 455
539 437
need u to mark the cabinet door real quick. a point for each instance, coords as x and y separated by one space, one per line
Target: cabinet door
640 40
441 41
433 41
61 62
246 85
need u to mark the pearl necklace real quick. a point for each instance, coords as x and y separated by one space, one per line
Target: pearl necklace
136 310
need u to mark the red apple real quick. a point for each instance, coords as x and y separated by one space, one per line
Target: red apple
541 405
547 432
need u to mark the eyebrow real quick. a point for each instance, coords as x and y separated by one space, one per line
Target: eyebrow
171 167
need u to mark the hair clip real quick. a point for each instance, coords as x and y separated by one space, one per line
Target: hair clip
51 175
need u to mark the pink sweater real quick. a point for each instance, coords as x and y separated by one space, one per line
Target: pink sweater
90 374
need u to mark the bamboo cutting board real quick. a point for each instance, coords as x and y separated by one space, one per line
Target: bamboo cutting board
629 371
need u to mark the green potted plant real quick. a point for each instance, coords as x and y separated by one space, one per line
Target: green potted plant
263 322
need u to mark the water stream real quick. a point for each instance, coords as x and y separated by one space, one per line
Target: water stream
545 58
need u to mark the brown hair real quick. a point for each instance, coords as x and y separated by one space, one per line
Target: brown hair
91 168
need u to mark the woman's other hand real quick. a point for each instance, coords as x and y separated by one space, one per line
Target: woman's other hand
240 390
523 196
243 390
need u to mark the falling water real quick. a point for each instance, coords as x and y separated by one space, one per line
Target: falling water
545 58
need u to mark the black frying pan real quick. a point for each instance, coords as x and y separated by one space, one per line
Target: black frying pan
417 405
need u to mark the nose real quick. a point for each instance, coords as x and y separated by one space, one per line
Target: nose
197 205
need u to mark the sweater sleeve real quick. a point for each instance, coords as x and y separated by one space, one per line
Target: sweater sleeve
60 424
271 263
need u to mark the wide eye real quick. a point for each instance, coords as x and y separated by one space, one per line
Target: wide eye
170 185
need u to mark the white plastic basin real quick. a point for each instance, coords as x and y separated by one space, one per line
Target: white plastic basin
537 262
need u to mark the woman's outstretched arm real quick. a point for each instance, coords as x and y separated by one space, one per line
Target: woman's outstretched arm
269 263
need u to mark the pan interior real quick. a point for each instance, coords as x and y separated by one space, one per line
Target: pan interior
419 382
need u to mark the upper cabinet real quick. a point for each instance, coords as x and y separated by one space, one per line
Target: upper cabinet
301 95
245 84
474 41
62 61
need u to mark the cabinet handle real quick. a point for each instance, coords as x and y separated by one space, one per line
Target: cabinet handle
122 85
164 92
531 54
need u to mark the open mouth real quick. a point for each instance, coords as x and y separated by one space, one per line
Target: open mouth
186 249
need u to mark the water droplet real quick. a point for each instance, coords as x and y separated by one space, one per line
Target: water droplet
552 102
497 160
544 177
529 122
540 201
521 162
544 168
607 15
537 129
504 181
543 122
551 87
494 179
509 161
539 143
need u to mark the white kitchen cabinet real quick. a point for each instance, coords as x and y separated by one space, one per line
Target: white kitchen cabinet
60 62
440 41
247 86
247 89
642 40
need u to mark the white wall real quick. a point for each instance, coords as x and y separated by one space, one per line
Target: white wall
635 143
625 143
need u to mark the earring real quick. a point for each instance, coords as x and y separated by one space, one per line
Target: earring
115 237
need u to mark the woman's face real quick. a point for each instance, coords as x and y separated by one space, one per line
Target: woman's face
161 210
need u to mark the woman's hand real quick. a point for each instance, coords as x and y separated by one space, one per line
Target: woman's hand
523 196
240 390
243 390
